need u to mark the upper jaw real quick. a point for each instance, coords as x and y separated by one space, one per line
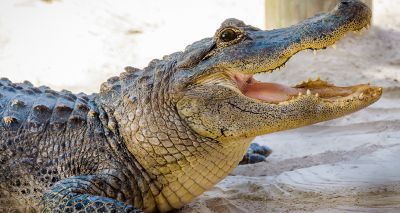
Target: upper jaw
269 50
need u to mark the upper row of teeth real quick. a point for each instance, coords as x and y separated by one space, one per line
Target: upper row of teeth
359 32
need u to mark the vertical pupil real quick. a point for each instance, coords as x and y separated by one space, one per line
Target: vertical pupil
228 35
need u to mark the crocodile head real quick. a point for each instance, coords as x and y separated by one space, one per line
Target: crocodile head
188 119
223 101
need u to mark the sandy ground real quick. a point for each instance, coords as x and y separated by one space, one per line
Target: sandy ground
350 164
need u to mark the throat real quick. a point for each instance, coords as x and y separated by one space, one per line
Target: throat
209 164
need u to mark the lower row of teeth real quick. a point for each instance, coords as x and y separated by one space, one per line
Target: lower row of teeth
361 96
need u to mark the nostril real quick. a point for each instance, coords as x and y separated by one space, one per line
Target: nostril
345 2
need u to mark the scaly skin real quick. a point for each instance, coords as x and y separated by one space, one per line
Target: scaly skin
154 139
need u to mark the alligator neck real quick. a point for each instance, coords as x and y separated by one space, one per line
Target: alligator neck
176 163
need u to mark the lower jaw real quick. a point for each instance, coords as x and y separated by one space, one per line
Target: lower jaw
274 93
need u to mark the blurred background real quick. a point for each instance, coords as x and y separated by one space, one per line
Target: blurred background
282 13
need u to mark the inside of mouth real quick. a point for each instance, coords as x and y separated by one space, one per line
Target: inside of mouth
277 93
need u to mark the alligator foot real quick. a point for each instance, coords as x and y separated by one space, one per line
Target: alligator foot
256 154
84 194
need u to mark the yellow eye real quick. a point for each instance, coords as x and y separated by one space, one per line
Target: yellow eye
228 35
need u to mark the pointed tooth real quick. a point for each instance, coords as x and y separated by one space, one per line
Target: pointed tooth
334 46
318 78
300 94
317 95
361 96
315 52
278 69
308 92
363 30
309 80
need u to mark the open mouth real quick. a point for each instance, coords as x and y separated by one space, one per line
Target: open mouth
274 93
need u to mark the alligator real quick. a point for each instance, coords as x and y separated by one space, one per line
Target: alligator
154 139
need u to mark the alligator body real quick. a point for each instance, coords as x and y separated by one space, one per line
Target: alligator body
154 139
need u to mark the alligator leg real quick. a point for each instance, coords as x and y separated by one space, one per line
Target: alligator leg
255 154
84 194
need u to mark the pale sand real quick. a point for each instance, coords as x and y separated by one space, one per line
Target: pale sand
350 164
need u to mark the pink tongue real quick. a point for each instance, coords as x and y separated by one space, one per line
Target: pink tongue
269 92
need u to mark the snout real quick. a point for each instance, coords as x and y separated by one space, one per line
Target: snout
353 11
268 50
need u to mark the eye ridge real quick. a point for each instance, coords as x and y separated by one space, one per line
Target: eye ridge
228 35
